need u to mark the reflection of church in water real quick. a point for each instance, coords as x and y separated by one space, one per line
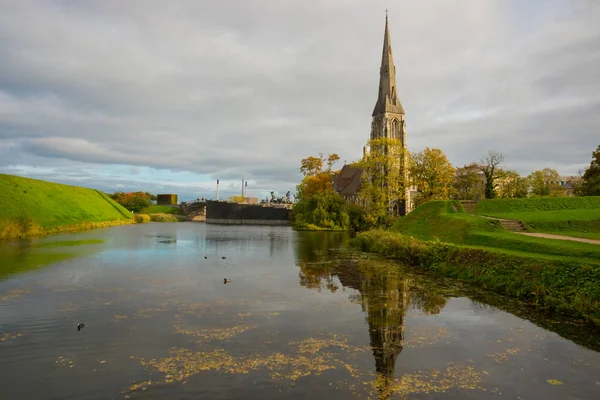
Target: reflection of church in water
384 297
384 292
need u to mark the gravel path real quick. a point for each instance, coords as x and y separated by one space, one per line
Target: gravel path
560 237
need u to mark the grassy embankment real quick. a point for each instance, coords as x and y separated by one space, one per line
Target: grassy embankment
157 213
439 236
31 207
569 216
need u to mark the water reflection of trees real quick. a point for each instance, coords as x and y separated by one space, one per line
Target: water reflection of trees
320 268
385 293
316 262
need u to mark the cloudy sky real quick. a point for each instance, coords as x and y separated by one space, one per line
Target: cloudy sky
169 96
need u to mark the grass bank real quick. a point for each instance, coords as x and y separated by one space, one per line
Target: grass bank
571 287
571 216
446 221
31 207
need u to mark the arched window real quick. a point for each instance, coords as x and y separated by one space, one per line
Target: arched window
396 129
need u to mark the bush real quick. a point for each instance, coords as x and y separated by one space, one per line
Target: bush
141 218
161 217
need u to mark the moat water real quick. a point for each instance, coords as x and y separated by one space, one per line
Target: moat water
300 319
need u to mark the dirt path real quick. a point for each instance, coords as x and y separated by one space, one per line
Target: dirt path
560 237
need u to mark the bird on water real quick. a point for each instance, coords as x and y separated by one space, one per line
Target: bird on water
225 280
80 326
223 257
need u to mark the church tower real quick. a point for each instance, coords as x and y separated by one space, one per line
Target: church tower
388 114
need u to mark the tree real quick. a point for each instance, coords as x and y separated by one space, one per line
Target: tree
591 176
433 175
133 201
323 210
468 184
383 189
511 184
315 178
545 182
151 196
318 206
489 166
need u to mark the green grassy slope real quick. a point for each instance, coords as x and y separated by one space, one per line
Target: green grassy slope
493 207
499 206
573 216
52 204
446 221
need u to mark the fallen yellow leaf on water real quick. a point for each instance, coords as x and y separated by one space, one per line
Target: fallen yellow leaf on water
554 382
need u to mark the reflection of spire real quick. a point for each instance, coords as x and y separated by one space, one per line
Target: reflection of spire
386 297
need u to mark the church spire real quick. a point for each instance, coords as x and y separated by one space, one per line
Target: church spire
387 100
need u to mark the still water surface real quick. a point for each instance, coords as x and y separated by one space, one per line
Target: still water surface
300 319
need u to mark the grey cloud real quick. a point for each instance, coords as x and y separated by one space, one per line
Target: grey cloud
247 89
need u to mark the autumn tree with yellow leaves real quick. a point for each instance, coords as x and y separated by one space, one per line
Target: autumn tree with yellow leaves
318 206
383 188
433 175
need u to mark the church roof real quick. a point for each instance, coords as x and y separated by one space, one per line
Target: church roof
347 181
387 99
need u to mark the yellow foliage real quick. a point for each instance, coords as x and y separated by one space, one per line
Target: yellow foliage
312 184
384 181
141 218
433 175
315 178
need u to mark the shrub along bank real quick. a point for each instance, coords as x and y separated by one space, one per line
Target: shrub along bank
158 217
158 209
566 286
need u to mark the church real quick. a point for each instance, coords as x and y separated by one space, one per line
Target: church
388 121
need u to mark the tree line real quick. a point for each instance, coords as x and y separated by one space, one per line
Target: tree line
389 172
